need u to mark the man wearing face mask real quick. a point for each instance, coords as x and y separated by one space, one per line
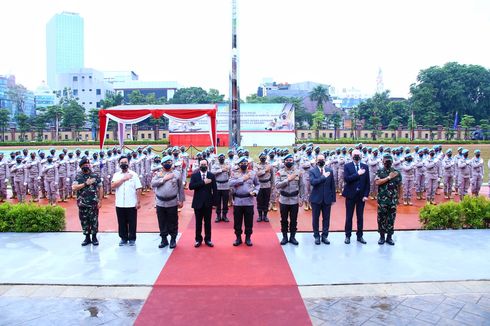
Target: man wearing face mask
389 182
264 173
50 174
42 186
432 175
246 186
356 192
476 173
19 175
73 168
420 175
374 165
408 177
4 176
203 183
448 167
169 196
10 164
33 167
63 172
128 190
464 174
307 164
222 170
88 188
273 162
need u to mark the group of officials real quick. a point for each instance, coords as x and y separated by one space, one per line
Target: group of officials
306 177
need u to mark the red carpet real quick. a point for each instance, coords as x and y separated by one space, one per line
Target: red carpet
226 285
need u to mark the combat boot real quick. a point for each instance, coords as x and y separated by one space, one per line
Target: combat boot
225 219
248 241
164 243
87 240
95 242
238 241
284 238
293 240
381 240
389 240
218 218
173 242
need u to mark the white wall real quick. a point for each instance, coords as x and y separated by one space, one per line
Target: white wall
267 138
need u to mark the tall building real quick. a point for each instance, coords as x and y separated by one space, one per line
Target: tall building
64 45
5 83
44 96
119 76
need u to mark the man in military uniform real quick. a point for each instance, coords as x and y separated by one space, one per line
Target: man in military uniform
464 174
306 165
373 165
288 182
408 176
264 173
420 175
431 177
477 166
88 187
169 196
4 176
50 175
448 171
10 164
222 171
19 175
33 167
63 172
73 168
246 186
388 181
273 162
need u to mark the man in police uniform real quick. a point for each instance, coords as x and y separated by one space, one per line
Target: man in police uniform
222 171
169 196
264 173
88 187
288 181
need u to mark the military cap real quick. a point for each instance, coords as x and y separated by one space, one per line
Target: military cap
449 151
465 151
387 157
221 155
167 158
288 156
82 161
242 159
477 151
262 155
230 151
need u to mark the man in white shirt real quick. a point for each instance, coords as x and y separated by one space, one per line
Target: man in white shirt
128 190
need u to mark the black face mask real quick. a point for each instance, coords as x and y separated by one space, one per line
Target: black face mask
308 153
477 155
95 157
157 162
387 165
204 156
109 154
357 158
176 155
465 155
243 167
70 156
271 157
167 166
231 157
432 154
321 163
33 157
288 164
85 169
262 159
124 166
19 161
449 155
409 160
317 152
52 152
203 168
101 155
50 160
221 160
61 157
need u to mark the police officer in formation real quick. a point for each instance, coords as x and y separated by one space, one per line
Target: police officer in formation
222 171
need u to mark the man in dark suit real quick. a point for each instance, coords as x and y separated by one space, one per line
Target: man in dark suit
203 183
356 192
322 196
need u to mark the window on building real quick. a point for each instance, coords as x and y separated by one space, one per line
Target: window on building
66 137
65 93
128 136
386 135
426 136
365 135
89 102
86 136
83 89
75 92
406 135
309 135
142 136
90 90
324 135
75 78
330 135
164 136
392 135
83 77
149 136
90 76
345 135
45 137
27 137
302 135
83 103
97 104
98 91
6 137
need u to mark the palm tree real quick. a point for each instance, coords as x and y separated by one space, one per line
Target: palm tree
320 95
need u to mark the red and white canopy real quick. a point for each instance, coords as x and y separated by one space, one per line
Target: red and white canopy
130 114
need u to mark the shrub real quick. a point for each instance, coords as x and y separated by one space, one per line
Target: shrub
31 218
476 211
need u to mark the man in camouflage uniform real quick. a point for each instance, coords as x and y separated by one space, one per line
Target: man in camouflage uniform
33 166
389 181
4 176
88 187
19 175
264 173
222 172
476 173
288 181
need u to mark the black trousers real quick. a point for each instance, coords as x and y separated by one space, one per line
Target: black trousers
201 214
263 200
325 210
290 211
223 197
127 219
243 215
356 204
168 221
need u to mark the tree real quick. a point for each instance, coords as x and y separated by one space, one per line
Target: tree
335 119
485 128
191 95
4 121
23 125
38 123
215 96
394 124
318 119
18 94
73 116
467 122
320 95
53 114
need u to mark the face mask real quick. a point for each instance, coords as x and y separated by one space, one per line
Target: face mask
176 155
449 155
243 167
85 169
204 156
465 155
157 162
477 155
321 163
203 168
375 154
432 154
101 155
19 161
230 156
52 152
33 157
309 153
317 151
70 156
271 157
109 154
262 159
167 166
387 164
123 166
50 160
221 160
409 160
62 157
289 164
356 157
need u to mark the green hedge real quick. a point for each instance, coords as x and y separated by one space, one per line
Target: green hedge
470 213
31 218
82 143
389 141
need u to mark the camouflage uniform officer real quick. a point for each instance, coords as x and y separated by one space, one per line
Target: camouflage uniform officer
50 174
264 173
288 181
431 177
19 175
33 167
169 195
448 171
222 170
88 187
4 176
464 174
476 173
408 175
388 180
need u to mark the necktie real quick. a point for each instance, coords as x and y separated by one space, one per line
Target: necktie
357 167
203 177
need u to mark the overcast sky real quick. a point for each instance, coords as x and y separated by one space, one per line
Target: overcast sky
338 42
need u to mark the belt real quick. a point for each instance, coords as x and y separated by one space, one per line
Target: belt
243 196
166 198
265 181
218 181
289 194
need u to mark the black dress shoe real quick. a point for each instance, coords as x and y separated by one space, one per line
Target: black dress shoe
265 219
390 241
259 219
361 240
225 219
325 240
87 241
217 219
197 244
238 241
293 241
284 240
164 243
173 243
209 243
248 242
123 243
347 240
317 241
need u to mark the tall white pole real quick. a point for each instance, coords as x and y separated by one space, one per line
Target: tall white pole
234 112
